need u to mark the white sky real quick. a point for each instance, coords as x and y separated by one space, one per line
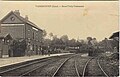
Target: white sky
95 19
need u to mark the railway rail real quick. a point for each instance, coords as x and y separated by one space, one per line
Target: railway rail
87 63
62 64
20 70
102 68
30 72
76 68
10 71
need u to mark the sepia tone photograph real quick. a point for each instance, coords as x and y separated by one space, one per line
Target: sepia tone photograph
59 39
59 0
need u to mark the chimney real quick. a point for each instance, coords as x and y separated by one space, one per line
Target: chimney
17 12
26 17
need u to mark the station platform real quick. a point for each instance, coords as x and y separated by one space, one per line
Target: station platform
13 60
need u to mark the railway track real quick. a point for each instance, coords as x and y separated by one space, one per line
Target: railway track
28 73
17 71
49 69
102 68
62 66
76 68
33 71
86 65
24 69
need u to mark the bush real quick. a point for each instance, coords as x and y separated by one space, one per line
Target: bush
114 56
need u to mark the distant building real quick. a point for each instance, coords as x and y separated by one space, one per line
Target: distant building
21 28
115 38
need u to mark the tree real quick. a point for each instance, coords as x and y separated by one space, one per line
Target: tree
72 42
82 41
55 40
51 35
46 42
65 39
78 43
44 33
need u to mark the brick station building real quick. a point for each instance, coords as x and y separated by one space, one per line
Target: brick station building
19 27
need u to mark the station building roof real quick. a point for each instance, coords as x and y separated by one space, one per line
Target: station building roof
25 20
6 36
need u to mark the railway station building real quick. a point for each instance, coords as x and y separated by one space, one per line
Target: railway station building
19 27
